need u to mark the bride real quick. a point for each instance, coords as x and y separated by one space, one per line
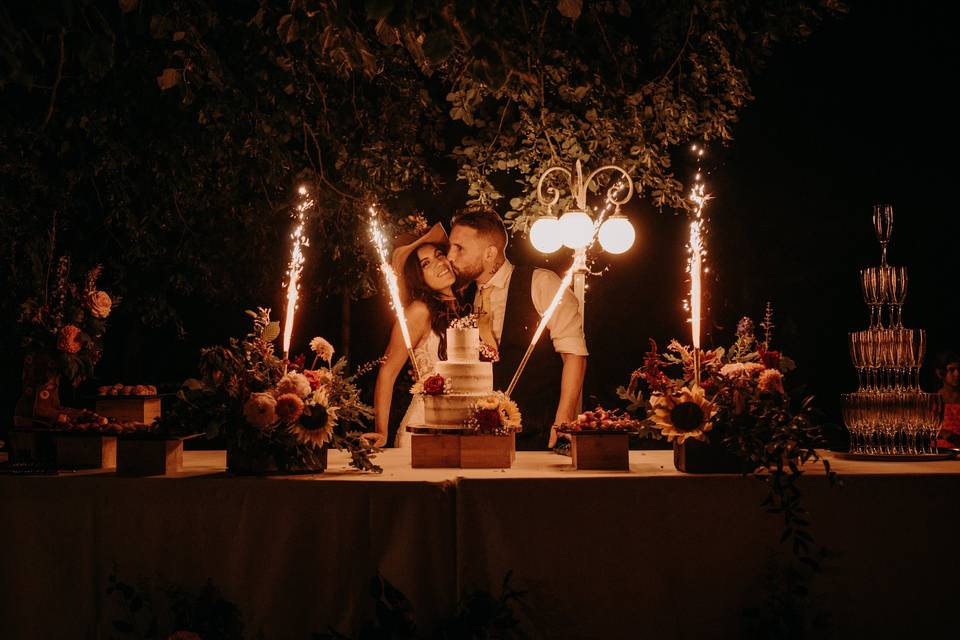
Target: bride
426 281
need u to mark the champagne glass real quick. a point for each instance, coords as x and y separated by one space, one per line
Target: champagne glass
873 294
918 349
883 225
896 281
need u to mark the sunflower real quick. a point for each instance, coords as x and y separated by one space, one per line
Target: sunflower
315 426
509 413
687 415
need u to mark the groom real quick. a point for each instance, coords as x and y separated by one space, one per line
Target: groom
512 300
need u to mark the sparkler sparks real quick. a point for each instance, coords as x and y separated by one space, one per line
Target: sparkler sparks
296 265
696 254
380 243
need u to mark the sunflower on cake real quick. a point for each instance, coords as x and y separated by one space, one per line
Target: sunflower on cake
458 394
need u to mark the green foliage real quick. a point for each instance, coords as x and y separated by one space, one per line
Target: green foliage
166 137
162 610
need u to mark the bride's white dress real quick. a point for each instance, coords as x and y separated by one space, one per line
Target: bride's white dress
427 353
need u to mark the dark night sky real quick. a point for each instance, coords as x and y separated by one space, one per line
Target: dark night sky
856 115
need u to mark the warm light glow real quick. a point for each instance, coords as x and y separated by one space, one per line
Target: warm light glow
380 243
696 256
545 234
617 234
295 268
576 228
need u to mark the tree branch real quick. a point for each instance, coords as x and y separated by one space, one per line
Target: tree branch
323 176
606 42
56 84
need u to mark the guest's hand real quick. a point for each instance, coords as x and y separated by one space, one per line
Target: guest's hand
375 438
554 436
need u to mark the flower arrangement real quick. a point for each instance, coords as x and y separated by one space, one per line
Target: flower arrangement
741 406
602 420
265 411
496 415
63 329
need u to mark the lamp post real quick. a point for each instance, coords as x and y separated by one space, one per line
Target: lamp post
575 229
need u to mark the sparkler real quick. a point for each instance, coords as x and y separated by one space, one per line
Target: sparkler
695 268
579 265
296 266
380 243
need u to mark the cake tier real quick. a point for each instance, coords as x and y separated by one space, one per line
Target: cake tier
463 345
467 377
449 410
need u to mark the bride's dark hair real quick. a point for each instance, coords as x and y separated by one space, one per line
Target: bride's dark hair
441 309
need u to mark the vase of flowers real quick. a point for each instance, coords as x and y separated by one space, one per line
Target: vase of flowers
276 416
733 413
62 336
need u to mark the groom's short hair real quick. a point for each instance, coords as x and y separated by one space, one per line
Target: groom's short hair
485 221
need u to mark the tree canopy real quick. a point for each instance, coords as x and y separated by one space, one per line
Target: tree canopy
165 138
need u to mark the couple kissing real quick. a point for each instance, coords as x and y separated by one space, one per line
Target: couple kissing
439 276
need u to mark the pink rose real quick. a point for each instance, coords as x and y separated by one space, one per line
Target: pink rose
771 381
260 410
69 339
99 303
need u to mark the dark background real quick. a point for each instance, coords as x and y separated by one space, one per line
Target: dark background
859 114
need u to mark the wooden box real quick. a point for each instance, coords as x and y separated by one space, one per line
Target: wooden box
32 445
606 451
149 457
86 451
434 451
462 452
694 456
136 409
486 452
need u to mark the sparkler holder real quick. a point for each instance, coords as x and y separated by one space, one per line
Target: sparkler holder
438 448
694 456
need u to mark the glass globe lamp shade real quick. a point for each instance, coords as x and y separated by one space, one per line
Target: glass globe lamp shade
576 229
617 234
545 234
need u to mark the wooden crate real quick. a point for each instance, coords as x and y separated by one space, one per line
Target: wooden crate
32 445
486 452
129 409
153 457
432 451
86 451
606 451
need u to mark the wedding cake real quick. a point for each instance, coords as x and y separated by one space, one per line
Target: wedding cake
464 379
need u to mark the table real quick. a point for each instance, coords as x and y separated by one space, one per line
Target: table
603 554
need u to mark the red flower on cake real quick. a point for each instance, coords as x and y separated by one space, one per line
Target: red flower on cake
434 385
488 420
488 353
69 339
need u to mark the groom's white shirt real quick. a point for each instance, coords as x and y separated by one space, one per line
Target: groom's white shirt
566 325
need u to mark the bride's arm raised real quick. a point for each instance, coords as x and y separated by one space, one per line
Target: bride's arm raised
418 322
